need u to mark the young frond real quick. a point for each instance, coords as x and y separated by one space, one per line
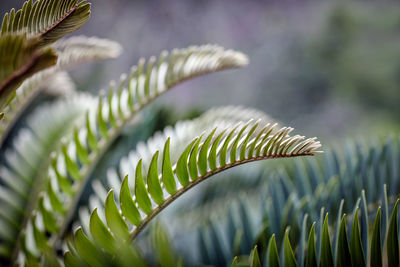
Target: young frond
204 157
21 174
80 154
46 20
20 58
71 52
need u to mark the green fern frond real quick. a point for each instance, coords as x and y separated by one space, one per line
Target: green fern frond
80 154
46 20
199 161
71 52
22 173
20 58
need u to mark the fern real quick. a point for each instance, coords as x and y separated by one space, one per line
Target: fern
200 160
70 52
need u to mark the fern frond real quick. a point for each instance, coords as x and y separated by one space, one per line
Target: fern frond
80 155
71 52
22 174
200 160
46 20
20 58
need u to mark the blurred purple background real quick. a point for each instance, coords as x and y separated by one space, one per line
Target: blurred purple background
330 68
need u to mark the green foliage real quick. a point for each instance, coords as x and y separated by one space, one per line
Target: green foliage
25 35
47 169
347 255
46 20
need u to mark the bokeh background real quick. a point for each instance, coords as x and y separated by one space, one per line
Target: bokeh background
329 68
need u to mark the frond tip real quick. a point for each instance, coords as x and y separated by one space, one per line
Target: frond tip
204 157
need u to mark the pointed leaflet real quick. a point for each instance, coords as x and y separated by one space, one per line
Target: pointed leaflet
193 168
311 258
203 154
393 239
376 243
182 165
100 233
87 250
254 259
128 206
326 249
168 177
273 256
153 182
290 260
141 194
114 219
343 257
356 249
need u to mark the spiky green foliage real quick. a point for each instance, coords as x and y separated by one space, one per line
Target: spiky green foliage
297 190
46 20
79 155
70 52
23 172
348 254
200 160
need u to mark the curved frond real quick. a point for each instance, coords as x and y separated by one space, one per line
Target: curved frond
80 154
20 58
204 157
289 195
22 173
71 52
47 20
179 135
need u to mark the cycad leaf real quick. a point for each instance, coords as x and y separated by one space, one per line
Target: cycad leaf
357 253
47 20
71 52
290 260
326 249
376 243
20 58
311 258
29 156
100 132
273 256
254 258
393 239
143 197
343 258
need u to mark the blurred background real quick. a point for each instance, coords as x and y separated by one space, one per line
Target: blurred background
328 68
